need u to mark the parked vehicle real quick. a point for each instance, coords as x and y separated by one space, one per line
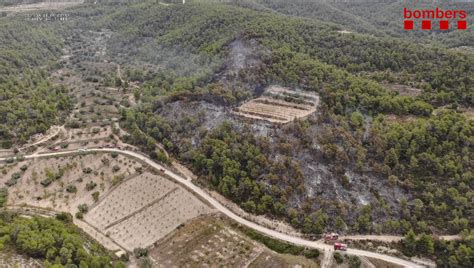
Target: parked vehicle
330 238
340 246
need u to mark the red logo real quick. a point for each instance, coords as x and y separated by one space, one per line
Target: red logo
445 17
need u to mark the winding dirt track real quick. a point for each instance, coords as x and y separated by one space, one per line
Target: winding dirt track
55 130
204 195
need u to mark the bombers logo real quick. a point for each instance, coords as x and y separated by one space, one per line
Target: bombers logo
445 17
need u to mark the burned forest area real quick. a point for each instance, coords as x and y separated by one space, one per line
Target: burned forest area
302 112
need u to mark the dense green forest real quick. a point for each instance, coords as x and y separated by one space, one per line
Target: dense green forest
381 18
57 241
425 152
457 253
444 76
29 103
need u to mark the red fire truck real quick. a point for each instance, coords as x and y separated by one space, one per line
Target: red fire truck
340 246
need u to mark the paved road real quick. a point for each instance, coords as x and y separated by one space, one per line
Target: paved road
204 195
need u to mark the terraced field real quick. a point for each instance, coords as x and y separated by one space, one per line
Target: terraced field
128 198
279 105
63 183
143 210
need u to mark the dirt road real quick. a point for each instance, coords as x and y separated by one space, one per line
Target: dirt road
53 131
391 238
119 74
327 259
204 195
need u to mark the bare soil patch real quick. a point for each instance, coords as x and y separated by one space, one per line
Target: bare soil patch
12 259
344 32
270 260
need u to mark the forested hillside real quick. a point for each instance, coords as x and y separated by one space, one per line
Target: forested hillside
444 76
370 160
381 18
29 104
368 139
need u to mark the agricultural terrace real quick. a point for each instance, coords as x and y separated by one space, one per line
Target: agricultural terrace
63 183
143 210
279 105
91 136
212 241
